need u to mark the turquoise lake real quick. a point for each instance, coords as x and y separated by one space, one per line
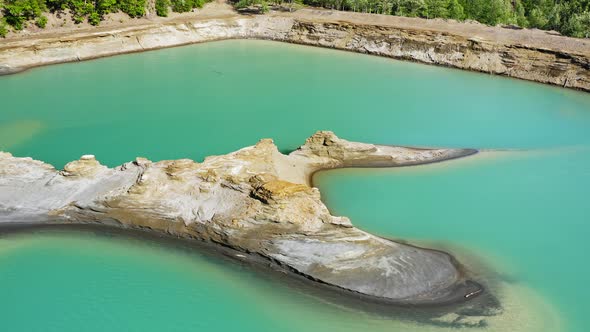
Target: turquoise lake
517 214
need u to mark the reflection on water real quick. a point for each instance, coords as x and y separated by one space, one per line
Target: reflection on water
18 132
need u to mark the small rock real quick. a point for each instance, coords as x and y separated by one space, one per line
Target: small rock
88 157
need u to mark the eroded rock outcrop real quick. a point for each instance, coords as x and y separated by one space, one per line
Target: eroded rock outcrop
543 63
255 200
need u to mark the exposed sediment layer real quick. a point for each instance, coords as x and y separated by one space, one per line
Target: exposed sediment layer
524 54
255 200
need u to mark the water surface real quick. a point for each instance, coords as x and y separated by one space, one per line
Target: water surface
517 217
217 97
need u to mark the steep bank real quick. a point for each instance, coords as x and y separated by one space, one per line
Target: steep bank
255 200
525 54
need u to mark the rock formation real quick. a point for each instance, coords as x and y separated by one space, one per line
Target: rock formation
255 200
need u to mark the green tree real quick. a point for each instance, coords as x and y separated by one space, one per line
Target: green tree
105 6
80 10
498 11
56 5
437 8
41 21
537 19
3 28
567 16
17 12
162 7
473 8
94 18
182 6
455 10
411 8
133 8
578 25
555 18
520 14
262 4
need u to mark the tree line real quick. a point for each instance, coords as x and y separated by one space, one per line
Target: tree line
569 17
16 13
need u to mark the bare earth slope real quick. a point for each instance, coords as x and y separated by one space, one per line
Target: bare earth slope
527 54
255 200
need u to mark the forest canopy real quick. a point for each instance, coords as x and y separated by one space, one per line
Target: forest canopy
16 13
569 17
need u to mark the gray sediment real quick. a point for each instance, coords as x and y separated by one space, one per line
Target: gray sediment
476 310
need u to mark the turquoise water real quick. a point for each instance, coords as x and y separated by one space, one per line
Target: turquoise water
518 216
77 281
527 212
218 97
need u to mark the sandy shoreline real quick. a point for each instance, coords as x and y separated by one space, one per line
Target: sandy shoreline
526 54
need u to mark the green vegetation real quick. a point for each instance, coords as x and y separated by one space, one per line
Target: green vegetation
3 28
183 6
133 8
261 5
570 17
16 13
162 7
41 21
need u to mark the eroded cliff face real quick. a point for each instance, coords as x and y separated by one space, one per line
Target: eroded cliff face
515 60
532 60
255 200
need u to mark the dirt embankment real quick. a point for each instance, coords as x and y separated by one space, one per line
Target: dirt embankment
526 54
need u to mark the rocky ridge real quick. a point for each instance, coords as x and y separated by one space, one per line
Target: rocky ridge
256 200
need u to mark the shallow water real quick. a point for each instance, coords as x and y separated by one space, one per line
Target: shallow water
83 281
518 218
525 214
